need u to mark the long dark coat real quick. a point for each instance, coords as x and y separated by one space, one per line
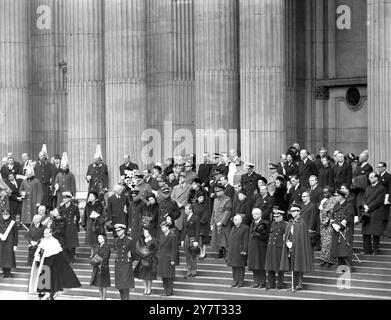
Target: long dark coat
137 210
266 205
257 245
7 254
101 274
305 170
250 183
275 245
280 200
44 172
99 174
374 199
151 218
14 204
326 176
58 229
299 257
238 243
33 188
93 227
66 181
166 254
141 271
203 211
339 247
116 208
124 278
33 234
222 208
342 174
244 208
71 215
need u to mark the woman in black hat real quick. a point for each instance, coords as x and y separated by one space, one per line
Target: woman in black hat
101 273
201 208
146 268
93 220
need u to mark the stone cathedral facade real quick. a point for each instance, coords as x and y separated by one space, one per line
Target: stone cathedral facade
131 73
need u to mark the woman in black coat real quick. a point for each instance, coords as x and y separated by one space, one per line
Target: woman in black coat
150 220
93 220
101 273
146 268
201 208
280 200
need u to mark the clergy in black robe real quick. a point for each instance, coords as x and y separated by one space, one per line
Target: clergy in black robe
297 253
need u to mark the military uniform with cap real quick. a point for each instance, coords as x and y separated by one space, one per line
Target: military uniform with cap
70 212
125 249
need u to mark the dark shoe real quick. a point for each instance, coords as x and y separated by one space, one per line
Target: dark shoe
193 275
323 263
291 290
376 253
163 295
234 285
255 286
240 285
270 287
262 286
298 288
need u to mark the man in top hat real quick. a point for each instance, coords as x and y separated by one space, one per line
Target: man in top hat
97 174
137 209
259 232
238 251
65 180
296 252
205 169
190 239
342 222
31 193
274 250
70 212
167 253
117 208
250 180
127 167
125 250
220 221
180 194
44 172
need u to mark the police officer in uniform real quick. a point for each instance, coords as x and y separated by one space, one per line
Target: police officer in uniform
70 212
125 248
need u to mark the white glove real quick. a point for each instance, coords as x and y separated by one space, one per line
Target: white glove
289 244
15 248
336 227
344 222
195 244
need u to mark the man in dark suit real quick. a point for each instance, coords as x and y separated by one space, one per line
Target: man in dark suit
316 192
294 191
385 180
342 172
310 214
281 166
126 167
265 202
13 166
56 170
117 208
190 239
306 169
229 190
250 180
44 173
238 251
15 198
204 170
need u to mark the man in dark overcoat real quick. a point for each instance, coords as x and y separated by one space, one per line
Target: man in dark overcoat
31 191
15 199
257 247
249 180
385 180
8 243
265 202
70 212
343 172
137 209
33 237
127 167
238 251
190 238
125 250
274 250
295 191
117 208
342 222
310 214
44 172
204 171
372 214
166 259
297 253
97 175
306 168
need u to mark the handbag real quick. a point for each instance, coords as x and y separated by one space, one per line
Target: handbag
96 260
146 263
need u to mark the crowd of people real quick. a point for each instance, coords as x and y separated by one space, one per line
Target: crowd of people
271 224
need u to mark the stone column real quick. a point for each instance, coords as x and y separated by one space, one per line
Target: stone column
85 108
379 80
170 72
14 66
216 71
262 81
125 81
48 76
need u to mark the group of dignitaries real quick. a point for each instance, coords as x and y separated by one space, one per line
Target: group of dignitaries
271 224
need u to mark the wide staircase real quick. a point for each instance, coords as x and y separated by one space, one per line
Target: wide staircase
371 278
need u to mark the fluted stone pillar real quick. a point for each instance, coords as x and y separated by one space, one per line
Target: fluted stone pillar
48 77
170 73
262 81
85 77
14 66
125 81
216 71
379 80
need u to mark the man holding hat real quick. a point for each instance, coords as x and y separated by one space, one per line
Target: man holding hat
97 173
70 212
274 250
167 253
220 222
125 249
296 251
44 172
190 240
117 208
250 179
342 222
